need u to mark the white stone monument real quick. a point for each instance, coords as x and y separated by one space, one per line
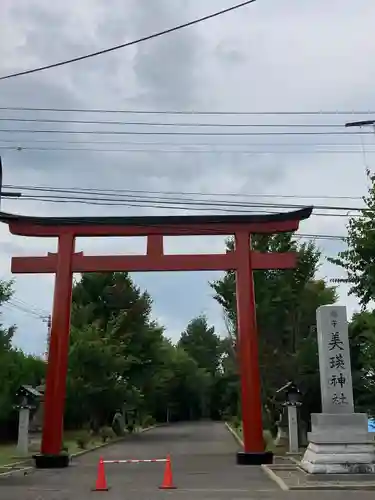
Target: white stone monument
339 441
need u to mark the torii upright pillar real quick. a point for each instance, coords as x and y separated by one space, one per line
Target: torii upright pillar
65 262
252 426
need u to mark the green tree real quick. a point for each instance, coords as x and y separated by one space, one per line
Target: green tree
362 356
120 357
200 341
6 334
95 383
112 329
358 258
16 368
286 303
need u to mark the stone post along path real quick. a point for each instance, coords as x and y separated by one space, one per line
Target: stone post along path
339 441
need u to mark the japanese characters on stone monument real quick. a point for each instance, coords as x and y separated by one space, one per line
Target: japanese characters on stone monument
334 360
339 441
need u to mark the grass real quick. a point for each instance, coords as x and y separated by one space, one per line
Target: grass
73 442
270 444
267 436
70 442
8 452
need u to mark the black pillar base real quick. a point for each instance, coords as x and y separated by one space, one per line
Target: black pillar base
260 458
51 461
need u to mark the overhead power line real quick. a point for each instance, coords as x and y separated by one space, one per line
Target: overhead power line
25 308
129 44
20 148
46 188
147 195
170 124
138 132
186 204
134 200
32 307
194 112
138 143
167 204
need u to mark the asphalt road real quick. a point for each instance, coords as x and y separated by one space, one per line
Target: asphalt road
203 464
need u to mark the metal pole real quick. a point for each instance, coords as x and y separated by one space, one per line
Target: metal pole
360 124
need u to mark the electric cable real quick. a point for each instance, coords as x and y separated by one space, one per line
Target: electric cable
179 199
192 112
170 124
178 133
129 44
177 193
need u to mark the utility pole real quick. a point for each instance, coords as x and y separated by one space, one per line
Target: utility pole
362 123
49 325
4 193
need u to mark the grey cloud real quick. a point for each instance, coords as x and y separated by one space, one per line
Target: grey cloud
270 56
166 68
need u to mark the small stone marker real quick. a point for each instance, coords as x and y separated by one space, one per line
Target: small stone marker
334 360
293 430
23 431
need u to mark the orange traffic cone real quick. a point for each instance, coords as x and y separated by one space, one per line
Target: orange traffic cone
168 480
101 482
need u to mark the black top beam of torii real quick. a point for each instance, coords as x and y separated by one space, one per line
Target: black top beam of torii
157 220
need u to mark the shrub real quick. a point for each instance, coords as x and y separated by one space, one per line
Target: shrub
148 421
64 447
130 427
83 440
236 422
106 433
226 416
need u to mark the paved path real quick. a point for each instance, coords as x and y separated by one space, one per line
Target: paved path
203 461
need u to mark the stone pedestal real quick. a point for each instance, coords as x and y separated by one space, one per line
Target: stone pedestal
339 444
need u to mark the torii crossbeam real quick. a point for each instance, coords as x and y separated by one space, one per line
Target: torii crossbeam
66 261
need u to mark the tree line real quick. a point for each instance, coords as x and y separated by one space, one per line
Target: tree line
121 359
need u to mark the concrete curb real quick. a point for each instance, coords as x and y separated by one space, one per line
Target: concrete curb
234 434
275 478
14 471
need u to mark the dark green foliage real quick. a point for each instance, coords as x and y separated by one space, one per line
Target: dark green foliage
16 369
286 303
120 359
358 258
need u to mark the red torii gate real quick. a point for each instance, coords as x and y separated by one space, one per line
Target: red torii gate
66 262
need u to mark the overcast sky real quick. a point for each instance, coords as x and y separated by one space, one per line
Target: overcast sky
269 56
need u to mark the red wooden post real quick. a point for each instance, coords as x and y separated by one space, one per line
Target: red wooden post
64 263
248 354
59 348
